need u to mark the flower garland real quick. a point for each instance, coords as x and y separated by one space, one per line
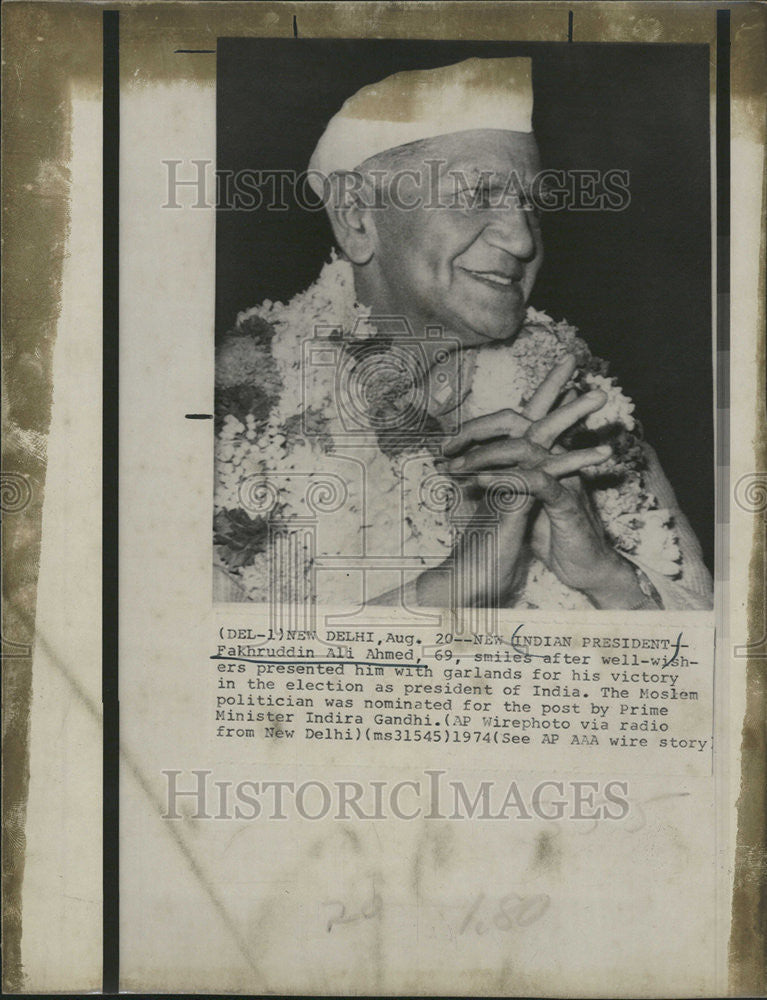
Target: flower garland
279 423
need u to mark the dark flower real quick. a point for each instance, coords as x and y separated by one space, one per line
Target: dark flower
239 537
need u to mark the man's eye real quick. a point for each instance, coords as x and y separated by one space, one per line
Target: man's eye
477 197
530 205
483 197
542 196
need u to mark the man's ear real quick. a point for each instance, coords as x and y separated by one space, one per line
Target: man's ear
350 217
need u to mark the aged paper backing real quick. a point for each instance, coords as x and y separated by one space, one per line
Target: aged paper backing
220 907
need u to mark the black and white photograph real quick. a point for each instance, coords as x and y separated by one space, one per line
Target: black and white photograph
366 366
463 325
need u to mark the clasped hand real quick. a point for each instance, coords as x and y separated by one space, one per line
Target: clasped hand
556 513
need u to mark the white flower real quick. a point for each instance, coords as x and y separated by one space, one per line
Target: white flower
543 589
617 409
390 499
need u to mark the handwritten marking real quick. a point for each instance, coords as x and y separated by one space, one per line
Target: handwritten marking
674 655
300 659
511 910
373 909
470 915
524 652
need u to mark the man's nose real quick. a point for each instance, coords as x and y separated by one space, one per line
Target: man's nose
510 229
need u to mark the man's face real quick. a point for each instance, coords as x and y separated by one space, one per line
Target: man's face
468 265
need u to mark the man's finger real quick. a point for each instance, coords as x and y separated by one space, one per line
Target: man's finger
551 388
573 461
498 454
503 422
526 483
546 431
547 489
564 465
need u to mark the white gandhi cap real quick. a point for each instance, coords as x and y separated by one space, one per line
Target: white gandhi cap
421 104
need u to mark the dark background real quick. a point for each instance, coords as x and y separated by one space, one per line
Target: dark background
637 283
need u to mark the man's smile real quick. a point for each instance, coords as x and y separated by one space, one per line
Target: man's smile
495 279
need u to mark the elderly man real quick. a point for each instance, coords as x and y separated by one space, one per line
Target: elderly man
429 178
